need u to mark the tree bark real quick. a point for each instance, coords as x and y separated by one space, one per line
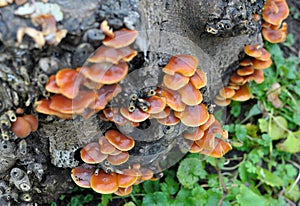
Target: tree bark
215 31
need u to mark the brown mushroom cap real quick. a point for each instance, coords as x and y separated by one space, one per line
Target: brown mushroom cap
275 11
169 120
81 175
162 114
258 64
209 122
265 55
220 148
244 71
128 178
190 95
120 141
175 81
196 135
246 62
199 79
124 191
193 116
32 120
195 148
106 29
112 114
242 94
233 86
236 78
226 92
275 36
222 102
157 104
147 174
136 116
105 146
51 86
253 50
91 153
173 99
258 76
112 55
68 81
106 73
182 64
43 106
64 105
118 159
21 127
122 38
104 183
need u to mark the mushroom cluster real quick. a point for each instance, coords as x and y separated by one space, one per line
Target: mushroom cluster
88 89
257 59
107 183
275 11
24 125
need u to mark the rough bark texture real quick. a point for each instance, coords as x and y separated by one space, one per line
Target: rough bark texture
214 31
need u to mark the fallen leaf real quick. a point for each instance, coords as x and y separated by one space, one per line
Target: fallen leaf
273 95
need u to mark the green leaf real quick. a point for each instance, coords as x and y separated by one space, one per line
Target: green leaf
276 128
213 198
291 144
263 125
296 118
170 186
129 204
247 197
235 108
106 198
155 199
253 112
190 170
293 194
268 177
243 172
252 130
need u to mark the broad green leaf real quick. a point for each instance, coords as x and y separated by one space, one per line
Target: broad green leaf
291 144
155 199
252 130
190 170
129 204
253 111
243 172
268 177
170 186
263 125
106 198
296 118
276 128
293 194
248 198
235 108
213 198
151 186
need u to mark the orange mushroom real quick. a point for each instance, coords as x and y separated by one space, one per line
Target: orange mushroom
91 153
199 79
258 64
105 146
21 127
275 11
190 95
136 116
196 135
195 148
32 120
235 78
175 81
253 50
119 141
81 175
122 38
51 86
193 116
171 119
127 178
106 30
242 94
182 64
162 114
173 99
124 191
245 71
226 92
157 104
104 183
275 36
43 106
118 159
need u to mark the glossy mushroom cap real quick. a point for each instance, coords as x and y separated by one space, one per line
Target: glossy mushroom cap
175 81
91 153
104 183
122 38
81 175
253 50
120 141
193 116
21 127
185 65
242 94
136 116
275 36
275 11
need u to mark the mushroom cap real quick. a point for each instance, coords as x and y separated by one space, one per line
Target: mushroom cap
81 175
104 183
182 64
32 120
221 148
235 78
91 153
190 95
173 99
233 86
77 105
246 62
51 86
195 148
275 36
265 55
175 81
124 191
91 84
122 38
253 50
105 73
199 79
258 76
242 94
112 55
147 174
209 122
258 64
105 146
226 92
136 116
21 127
244 71
275 12
106 29
112 114
157 104
197 134
118 159
68 81
193 116
169 120
222 102
119 141
43 106
162 114
127 178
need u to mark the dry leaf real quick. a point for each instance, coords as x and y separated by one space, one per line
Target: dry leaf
273 95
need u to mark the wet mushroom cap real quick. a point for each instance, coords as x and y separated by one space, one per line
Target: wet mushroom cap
32 120
196 135
173 99
246 62
157 104
245 71
190 95
43 106
104 183
242 94
122 38
162 114
105 146
185 65
175 81
222 102
193 116
136 116
124 191
51 86
171 119
68 81
275 11
120 141
91 153
195 148
253 50
209 122
127 178
235 78
258 64
226 92
275 36
81 175
265 55
118 159
199 79
21 127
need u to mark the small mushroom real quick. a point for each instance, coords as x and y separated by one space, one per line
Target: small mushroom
127 178
21 127
275 35
209 122
226 92
106 29
193 116
235 78
246 62
190 95
173 99
242 94
244 71
196 135
122 38
195 148
52 86
182 64
162 114
253 50
258 64
43 106
171 119
119 141
81 175
136 116
124 191
199 79
91 153
104 183
105 146
275 11
118 159
32 120
175 81
157 104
